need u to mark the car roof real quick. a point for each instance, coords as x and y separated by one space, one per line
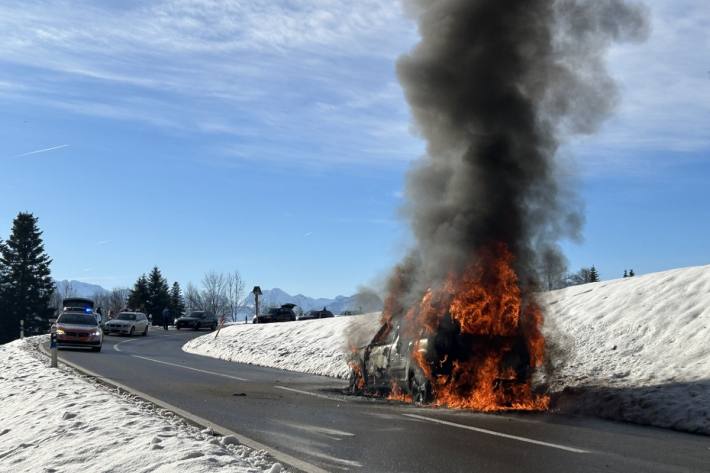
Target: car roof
92 315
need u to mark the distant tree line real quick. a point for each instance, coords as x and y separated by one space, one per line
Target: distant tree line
219 293
152 295
553 273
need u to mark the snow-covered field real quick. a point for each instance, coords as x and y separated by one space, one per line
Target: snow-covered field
636 349
317 346
54 420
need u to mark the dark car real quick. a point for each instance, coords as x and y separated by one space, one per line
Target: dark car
316 314
78 329
197 320
285 313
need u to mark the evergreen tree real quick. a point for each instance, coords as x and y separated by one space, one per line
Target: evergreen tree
593 274
159 295
626 274
631 273
139 296
26 286
177 301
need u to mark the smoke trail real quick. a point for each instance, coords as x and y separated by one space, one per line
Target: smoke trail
494 87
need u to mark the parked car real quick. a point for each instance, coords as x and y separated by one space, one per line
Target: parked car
315 314
285 313
197 320
78 329
351 312
128 323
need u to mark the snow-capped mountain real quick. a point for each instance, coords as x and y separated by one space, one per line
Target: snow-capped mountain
364 301
78 289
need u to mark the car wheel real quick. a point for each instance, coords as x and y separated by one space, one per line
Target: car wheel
420 388
177 327
145 332
132 332
97 349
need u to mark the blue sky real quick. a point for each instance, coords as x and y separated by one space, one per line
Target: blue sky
272 137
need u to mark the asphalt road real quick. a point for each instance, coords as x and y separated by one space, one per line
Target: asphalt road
307 417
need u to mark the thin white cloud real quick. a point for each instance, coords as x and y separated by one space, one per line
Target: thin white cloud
239 70
231 68
38 151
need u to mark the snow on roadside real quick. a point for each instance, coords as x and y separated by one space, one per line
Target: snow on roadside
317 346
634 349
56 420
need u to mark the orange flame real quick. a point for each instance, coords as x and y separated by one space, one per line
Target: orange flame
396 394
500 326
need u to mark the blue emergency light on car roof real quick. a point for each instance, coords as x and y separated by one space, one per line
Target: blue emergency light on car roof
87 310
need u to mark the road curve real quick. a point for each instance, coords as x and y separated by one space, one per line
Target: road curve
305 417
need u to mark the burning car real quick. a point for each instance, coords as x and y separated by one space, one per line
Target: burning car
472 343
408 369
387 365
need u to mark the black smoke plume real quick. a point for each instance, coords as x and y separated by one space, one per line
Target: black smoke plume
494 87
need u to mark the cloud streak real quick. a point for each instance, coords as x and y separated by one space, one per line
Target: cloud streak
38 151
236 70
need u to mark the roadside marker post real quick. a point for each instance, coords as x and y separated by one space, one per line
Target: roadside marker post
53 347
257 292
221 324
22 329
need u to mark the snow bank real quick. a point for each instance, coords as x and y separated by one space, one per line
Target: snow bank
317 346
635 349
54 420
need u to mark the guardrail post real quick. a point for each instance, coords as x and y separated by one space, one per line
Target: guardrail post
53 347
22 329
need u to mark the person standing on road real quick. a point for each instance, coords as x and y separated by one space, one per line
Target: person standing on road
166 317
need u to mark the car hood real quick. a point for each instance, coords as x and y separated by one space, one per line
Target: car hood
77 327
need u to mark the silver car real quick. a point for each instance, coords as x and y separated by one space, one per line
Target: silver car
128 323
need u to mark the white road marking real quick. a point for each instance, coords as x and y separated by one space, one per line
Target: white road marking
335 434
308 393
190 368
342 461
498 434
115 345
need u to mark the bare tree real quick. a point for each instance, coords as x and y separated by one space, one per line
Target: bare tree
583 276
214 293
193 299
552 268
234 292
117 299
68 290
